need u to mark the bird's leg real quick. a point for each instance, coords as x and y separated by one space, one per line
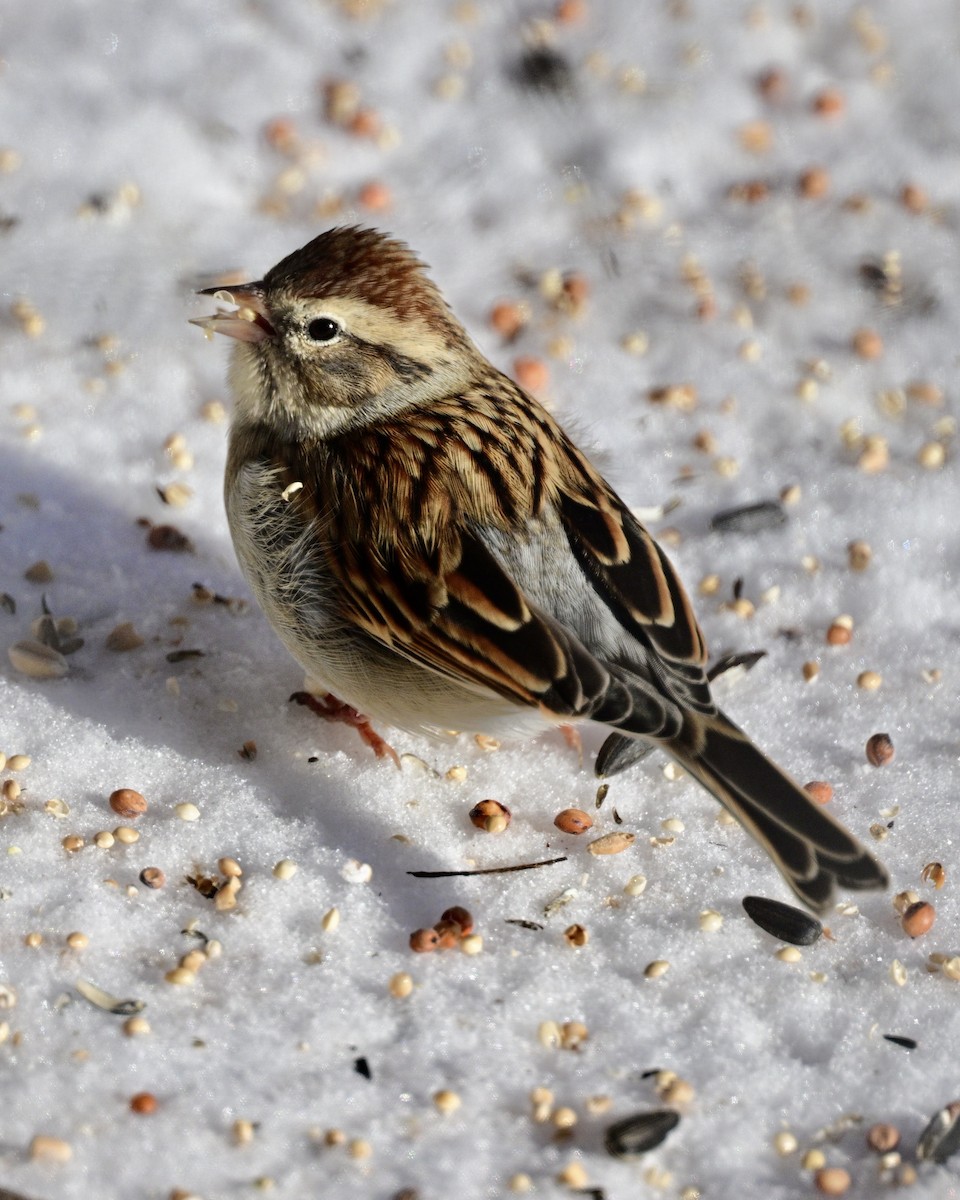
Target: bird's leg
330 708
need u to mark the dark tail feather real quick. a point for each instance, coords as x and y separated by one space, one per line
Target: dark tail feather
813 851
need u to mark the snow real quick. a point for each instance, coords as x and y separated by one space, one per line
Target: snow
493 188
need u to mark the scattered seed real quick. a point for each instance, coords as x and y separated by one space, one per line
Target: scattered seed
225 896
44 1148
126 834
612 843
859 555
400 985
903 900
785 1143
832 1181
880 750
869 681
636 885
898 972
941 1138
187 811
750 518
883 1137
330 921
490 816
77 941
39 572
839 635
136 1027
143 1103
564 1117
783 921
72 843
789 954
286 868
819 791
152 877
472 945
446 1102
811 670
36 660
573 820
127 803
813 1160
573 1035
181 977
229 867
656 969
640 1133
867 343
104 839
710 920
576 936
423 941
574 1175
934 873
918 918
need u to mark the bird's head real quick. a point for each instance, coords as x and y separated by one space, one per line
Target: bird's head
346 329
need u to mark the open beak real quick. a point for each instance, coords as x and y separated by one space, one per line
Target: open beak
250 321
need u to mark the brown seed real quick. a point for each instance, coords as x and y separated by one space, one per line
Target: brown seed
867 343
883 1137
424 940
859 555
448 935
127 803
573 820
39 572
72 843
576 936
461 917
531 373
829 103
814 183
143 1103
152 877
375 196
490 815
819 790
880 750
612 843
508 317
918 918
772 84
839 635
914 198
934 873
832 1181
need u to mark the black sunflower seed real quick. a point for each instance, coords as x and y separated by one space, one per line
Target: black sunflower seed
640 1133
783 921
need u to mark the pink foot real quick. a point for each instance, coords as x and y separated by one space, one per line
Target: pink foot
331 709
571 735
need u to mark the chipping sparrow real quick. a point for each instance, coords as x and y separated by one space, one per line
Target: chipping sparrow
430 544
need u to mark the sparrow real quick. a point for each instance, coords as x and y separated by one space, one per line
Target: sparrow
431 546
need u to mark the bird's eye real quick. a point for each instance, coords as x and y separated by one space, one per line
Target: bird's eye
323 329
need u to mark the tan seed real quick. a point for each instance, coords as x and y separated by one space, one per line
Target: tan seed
37 660
181 977
229 867
193 960
810 669
574 1175
656 969
813 1160
446 1102
789 954
286 868
359 1148
867 343
18 762
330 921
564 1117
859 555
72 843
104 839
636 885
33 940
136 1026
785 1143
576 936
187 811
242 1132
612 843
78 941
472 945
44 1148
869 681
401 985
126 834
932 455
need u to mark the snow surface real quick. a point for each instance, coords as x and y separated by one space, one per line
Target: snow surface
494 189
